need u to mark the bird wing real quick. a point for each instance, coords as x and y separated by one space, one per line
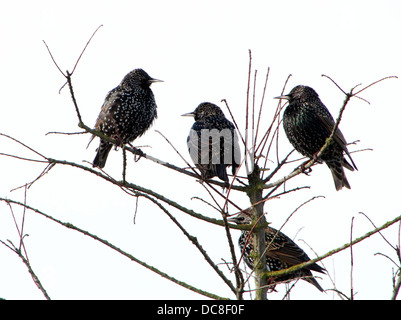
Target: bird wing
236 152
198 146
109 103
231 149
213 145
328 123
283 248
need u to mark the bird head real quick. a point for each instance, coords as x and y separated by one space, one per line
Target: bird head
300 93
244 217
138 77
204 111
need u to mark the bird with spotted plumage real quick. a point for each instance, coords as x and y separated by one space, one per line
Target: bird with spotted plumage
281 253
308 124
127 113
213 142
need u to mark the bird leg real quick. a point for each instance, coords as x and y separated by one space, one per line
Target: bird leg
309 170
271 285
226 187
305 170
138 152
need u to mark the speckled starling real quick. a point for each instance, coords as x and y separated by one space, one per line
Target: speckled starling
213 142
281 253
308 124
127 112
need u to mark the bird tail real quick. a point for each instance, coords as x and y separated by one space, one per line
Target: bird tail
221 172
102 153
337 170
313 281
234 168
349 166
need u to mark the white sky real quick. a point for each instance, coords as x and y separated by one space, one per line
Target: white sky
201 53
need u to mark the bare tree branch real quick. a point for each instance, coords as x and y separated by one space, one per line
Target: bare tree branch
115 248
334 251
21 250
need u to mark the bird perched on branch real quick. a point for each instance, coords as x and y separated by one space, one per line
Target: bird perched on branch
127 112
213 142
281 253
308 124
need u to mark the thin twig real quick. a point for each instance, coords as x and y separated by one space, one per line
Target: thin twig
261 108
373 83
80 56
238 275
23 144
73 97
21 250
279 107
54 61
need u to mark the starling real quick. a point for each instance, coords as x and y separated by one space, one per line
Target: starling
308 124
213 142
281 253
127 112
